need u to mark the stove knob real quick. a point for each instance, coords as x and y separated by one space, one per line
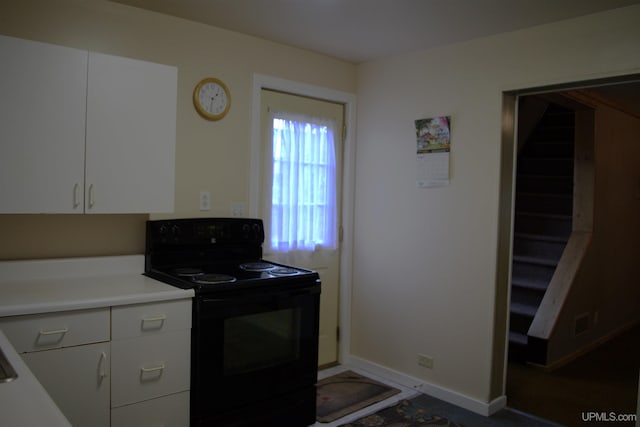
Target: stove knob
246 228
175 233
162 229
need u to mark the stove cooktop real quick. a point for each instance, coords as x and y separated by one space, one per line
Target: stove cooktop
213 278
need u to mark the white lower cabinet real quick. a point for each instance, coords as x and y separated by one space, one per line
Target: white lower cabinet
69 353
120 366
77 380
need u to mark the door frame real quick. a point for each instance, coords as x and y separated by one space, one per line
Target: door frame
261 81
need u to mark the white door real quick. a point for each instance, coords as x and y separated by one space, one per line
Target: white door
307 235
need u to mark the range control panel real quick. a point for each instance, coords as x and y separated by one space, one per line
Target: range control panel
205 231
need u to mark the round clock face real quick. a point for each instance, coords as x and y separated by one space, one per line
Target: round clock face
211 98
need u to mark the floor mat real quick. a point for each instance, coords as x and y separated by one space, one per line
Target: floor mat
405 413
347 392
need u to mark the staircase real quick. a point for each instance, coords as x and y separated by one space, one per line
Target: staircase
543 215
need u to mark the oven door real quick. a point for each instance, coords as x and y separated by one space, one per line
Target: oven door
253 346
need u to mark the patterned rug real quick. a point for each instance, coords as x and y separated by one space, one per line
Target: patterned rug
347 392
407 413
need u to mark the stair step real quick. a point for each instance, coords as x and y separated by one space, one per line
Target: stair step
553 249
536 260
518 338
527 297
544 184
523 309
542 237
529 283
548 148
554 166
550 132
537 272
545 224
519 323
539 202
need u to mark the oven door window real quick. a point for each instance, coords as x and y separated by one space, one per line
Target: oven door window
261 340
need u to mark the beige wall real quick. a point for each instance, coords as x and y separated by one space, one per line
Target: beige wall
425 259
212 156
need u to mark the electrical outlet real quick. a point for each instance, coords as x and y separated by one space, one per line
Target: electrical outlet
425 361
237 209
205 201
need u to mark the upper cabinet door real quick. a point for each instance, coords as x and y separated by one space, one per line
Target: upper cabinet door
131 134
42 127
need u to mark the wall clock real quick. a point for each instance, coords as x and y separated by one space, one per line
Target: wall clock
211 98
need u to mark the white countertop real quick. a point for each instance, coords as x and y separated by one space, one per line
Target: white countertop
23 401
44 286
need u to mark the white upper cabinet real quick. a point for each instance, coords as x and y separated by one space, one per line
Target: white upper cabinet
84 132
131 134
43 91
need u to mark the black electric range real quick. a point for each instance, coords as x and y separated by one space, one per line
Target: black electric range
254 345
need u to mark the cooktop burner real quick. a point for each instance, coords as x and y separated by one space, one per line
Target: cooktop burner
283 271
213 279
187 272
257 266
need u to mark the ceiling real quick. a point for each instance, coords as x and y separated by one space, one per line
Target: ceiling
357 31
362 30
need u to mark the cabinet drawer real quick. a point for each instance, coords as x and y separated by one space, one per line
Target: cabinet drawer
149 367
37 332
131 321
167 411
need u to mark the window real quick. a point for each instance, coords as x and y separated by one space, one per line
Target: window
303 191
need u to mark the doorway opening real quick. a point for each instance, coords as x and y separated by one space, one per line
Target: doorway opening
533 388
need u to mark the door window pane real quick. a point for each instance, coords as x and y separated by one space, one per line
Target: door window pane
303 193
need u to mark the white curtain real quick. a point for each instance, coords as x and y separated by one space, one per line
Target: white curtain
303 191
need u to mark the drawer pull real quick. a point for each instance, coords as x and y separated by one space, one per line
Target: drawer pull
154 369
155 318
154 322
151 374
55 332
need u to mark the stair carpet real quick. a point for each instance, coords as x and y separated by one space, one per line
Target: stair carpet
543 216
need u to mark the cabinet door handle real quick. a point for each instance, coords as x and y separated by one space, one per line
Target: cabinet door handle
76 199
54 332
91 198
102 371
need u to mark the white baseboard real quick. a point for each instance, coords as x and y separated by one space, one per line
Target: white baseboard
442 393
